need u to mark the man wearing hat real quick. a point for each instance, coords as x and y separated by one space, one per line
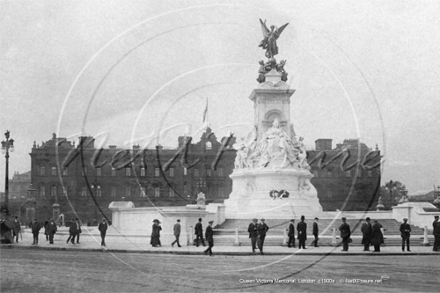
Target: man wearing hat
199 233
103 230
209 237
302 233
262 230
436 232
405 231
291 234
366 229
176 233
345 233
315 232
253 233
51 230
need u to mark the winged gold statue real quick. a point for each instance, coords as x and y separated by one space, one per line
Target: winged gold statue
269 43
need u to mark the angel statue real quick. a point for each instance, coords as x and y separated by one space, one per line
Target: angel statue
269 43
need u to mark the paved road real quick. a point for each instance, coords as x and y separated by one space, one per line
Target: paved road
28 270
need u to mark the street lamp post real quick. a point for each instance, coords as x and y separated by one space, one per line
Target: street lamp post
7 146
95 187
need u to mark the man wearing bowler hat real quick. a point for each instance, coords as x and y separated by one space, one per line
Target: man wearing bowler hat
345 233
302 233
262 230
315 232
405 230
291 234
253 233
176 233
367 230
209 237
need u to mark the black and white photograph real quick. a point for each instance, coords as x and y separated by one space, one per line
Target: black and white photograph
219 146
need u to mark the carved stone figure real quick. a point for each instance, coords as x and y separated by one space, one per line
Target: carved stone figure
280 69
269 43
276 143
302 154
201 199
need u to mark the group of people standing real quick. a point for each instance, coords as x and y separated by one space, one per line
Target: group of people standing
373 235
301 229
257 234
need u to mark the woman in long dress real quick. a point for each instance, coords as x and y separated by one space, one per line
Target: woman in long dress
155 234
377 236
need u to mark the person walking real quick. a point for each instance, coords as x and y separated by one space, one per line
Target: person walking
155 234
177 233
436 233
209 234
51 230
253 233
46 231
377 236
315 232
405 230
35 226
291 234
16 228
199 233
302 233
366 229
262 230
78 230
345 234
102 227
73 230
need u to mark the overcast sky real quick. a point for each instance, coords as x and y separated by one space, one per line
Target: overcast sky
361 69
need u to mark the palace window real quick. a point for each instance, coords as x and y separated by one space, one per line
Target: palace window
113 172
84 192
196 173
98 171
98 191
316 173
42 191
64 171
53 191
208 146
142 172
127 191
220 172
171 193
42 171
348 173
329 194
185 188
329 173
83 171
142 192
221 192
208 172
113 192
370 173
128 171
171 172
360 173
185 171
156 172
156 191
54 171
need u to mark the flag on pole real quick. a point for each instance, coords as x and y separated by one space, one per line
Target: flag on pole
205 113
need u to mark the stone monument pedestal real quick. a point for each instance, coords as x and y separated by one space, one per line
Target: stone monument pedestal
272 194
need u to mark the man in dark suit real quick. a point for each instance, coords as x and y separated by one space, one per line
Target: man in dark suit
436 232
72 231
78 230
16 228
209 234
405 231
35 226
253 233
262 230
291 234
176 230
345 234
302 233
199 233
51 230
315 232
103 226
366 229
